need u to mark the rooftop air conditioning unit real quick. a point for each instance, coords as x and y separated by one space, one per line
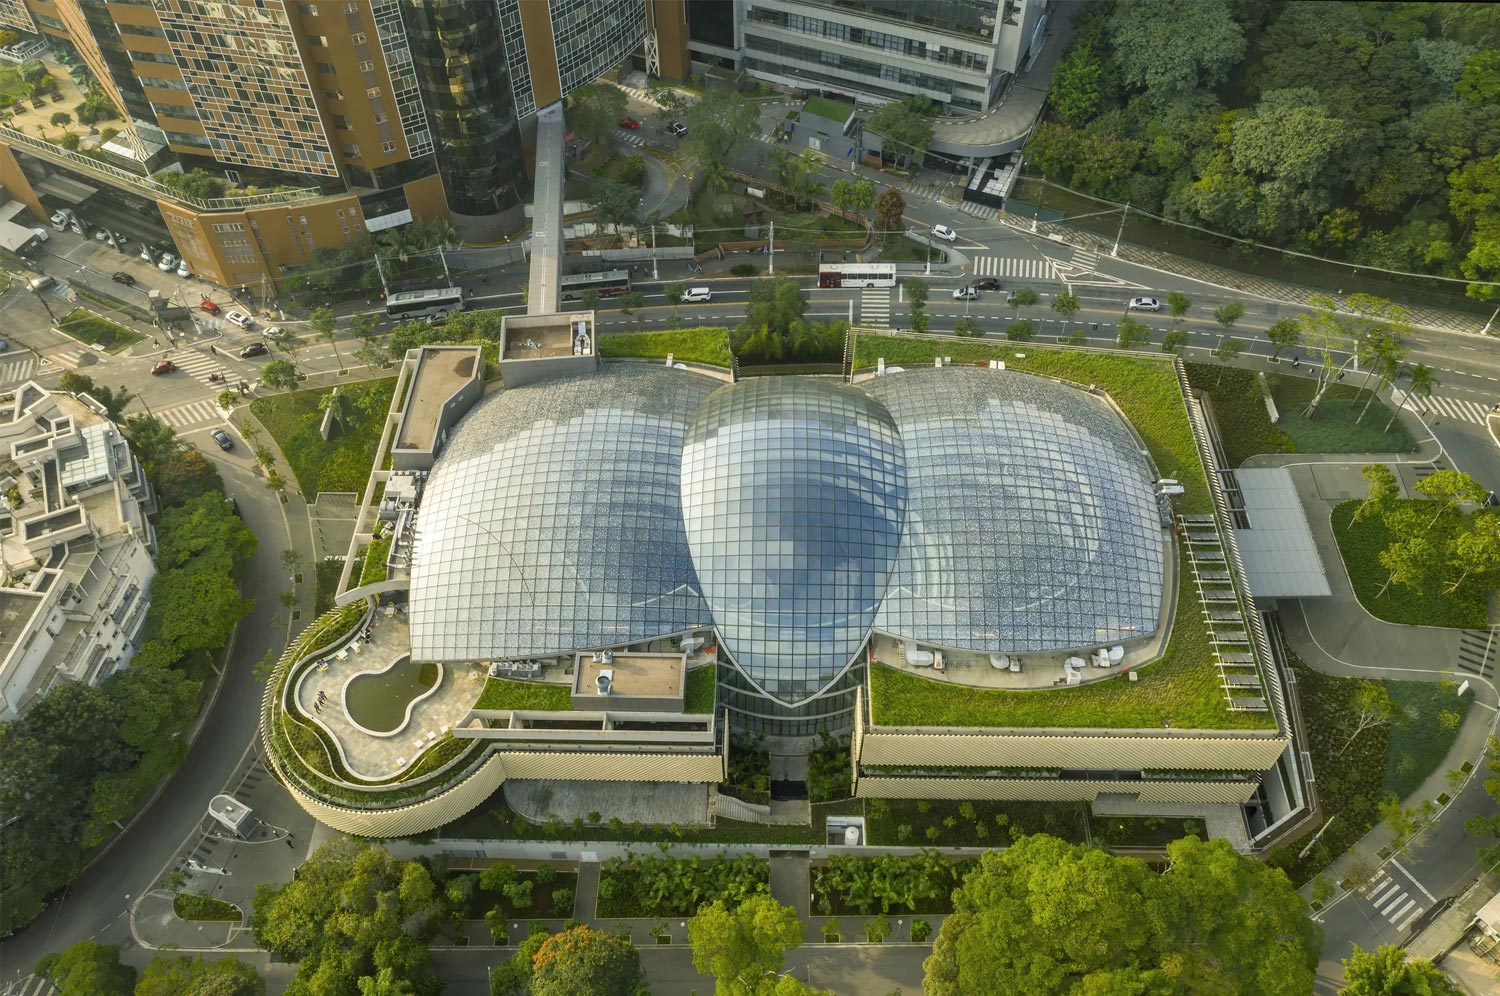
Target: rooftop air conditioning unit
603 682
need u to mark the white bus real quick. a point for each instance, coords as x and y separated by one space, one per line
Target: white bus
857 275
434 304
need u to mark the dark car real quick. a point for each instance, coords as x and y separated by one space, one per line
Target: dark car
254 349
986 283
222 438
163 367
121 277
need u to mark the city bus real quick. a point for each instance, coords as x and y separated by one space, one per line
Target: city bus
857 275
433 304
609 283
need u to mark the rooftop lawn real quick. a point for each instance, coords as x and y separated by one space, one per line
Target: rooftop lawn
701 685
502 693
343 462
833 110
1245 425
1145 388
85 326
1337 426
700 345
1182 687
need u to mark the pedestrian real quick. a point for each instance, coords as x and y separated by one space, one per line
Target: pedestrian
213 351
155 342
289 843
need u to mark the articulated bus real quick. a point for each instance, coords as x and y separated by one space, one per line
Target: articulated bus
857 275
434 304
609 283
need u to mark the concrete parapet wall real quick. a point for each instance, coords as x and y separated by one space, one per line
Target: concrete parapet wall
1128 750
1046 790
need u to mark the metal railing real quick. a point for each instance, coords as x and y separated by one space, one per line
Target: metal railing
145 184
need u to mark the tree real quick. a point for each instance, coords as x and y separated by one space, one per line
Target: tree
1420 380
917 291
1228 313
366 327
179 975
1023 298
906 126
1178 304
1474 551
114 400
195 611
1174 340
594 111
282 375
890 206
1338 339
585 960
1381 494
852 195
1284 333
1386 972
88 968
1410 562
1481 825
719 126
1022 331
322 322
616 204
1066 304
61 119
632 301
1226 352
1170 51
673 293
1130 333
968 328
1449 488
384 983
1372 708
1213 922
1075 95
740 947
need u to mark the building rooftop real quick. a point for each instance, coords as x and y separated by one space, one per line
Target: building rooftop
631 676
441 373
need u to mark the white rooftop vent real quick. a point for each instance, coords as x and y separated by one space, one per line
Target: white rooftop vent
604 681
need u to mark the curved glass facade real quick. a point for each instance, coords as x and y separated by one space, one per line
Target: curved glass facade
552 521
1031 523
462 68
793 492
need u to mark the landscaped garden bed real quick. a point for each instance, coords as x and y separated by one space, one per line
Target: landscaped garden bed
709 346
1336 426
503 693
85 326
1143 831
343 462
1426 720
702 686
970 823
649 885
887 883
518 893
190 906
1239 405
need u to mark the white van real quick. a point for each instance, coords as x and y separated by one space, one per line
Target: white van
40 283
694 294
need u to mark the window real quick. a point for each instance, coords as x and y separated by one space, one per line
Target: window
388 147
333 94
352 151
351 8
317 41
367 66
358 38
340 122
308 9
372 92
141 29
326 68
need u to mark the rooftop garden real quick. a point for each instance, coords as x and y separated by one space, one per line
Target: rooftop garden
1181 688
702 683
502 693
699 345
342 462
85 326
833 110
1145 388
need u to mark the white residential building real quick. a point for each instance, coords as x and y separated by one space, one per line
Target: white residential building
75 546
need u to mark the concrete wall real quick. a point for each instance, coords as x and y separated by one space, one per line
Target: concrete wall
1049 790
1123 751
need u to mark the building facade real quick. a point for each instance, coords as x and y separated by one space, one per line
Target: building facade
321 123
75 543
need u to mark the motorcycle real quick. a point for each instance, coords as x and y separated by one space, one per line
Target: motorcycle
216 378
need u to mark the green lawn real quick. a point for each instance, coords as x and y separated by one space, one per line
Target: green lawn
1245 425
88 327
700 345
1360 545
954 823
1182 687
190 906
373 569
502 693
327 578
1336 427
702 682
1145 387
342 463
823 107
1427 721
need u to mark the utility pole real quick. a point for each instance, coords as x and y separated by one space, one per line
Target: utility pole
385 288
771 247
1115 250
655 274
1486 330
444 257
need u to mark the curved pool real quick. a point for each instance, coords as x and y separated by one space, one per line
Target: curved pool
380 702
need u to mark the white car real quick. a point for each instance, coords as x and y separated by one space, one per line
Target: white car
274 332
965 294
1144 304
60 220
167 263
241 319
182 269
945 233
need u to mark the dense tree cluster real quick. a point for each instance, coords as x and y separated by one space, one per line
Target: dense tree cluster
1364 131
774 330
1465 552
58 801
1048 917
89 968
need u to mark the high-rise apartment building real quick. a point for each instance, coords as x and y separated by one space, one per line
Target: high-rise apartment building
322 122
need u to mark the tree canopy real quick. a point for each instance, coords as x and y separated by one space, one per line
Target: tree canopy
585 960
1386 972
745 947
1048 917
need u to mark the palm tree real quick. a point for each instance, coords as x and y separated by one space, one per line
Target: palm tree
1420 380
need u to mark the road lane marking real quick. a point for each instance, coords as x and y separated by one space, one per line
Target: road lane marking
1430 896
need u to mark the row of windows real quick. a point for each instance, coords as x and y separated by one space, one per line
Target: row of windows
848 64
895 44
145 30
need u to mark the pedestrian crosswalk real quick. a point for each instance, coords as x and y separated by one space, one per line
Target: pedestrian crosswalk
875 307
193 413
978 210
629 137
16 370
1009 266
1474 648
199 366
1388 894
32 985
1464 411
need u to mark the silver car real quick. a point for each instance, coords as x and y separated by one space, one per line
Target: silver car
1145 304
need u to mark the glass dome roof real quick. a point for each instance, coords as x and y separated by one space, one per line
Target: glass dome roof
793 492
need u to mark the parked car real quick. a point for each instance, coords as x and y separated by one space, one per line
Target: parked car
102 235
121 277
274 332
222 438
211 308
182 269
965 294
945 233
629 122
167 263
60 220
163 367
986 283
254 349
1145 304
121 240
40 282
241 319
677 128
148 254
40 234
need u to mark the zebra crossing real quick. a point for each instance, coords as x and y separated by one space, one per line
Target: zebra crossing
194 413
199 366
32 985
875 307
1464 411
1474 648
1009 266
1391 899
17 370
629 137
983 211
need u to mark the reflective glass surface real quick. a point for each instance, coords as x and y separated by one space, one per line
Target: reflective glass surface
793 492
552 520
1031 519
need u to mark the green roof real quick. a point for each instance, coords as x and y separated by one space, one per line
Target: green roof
698 345
502 693
833 110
